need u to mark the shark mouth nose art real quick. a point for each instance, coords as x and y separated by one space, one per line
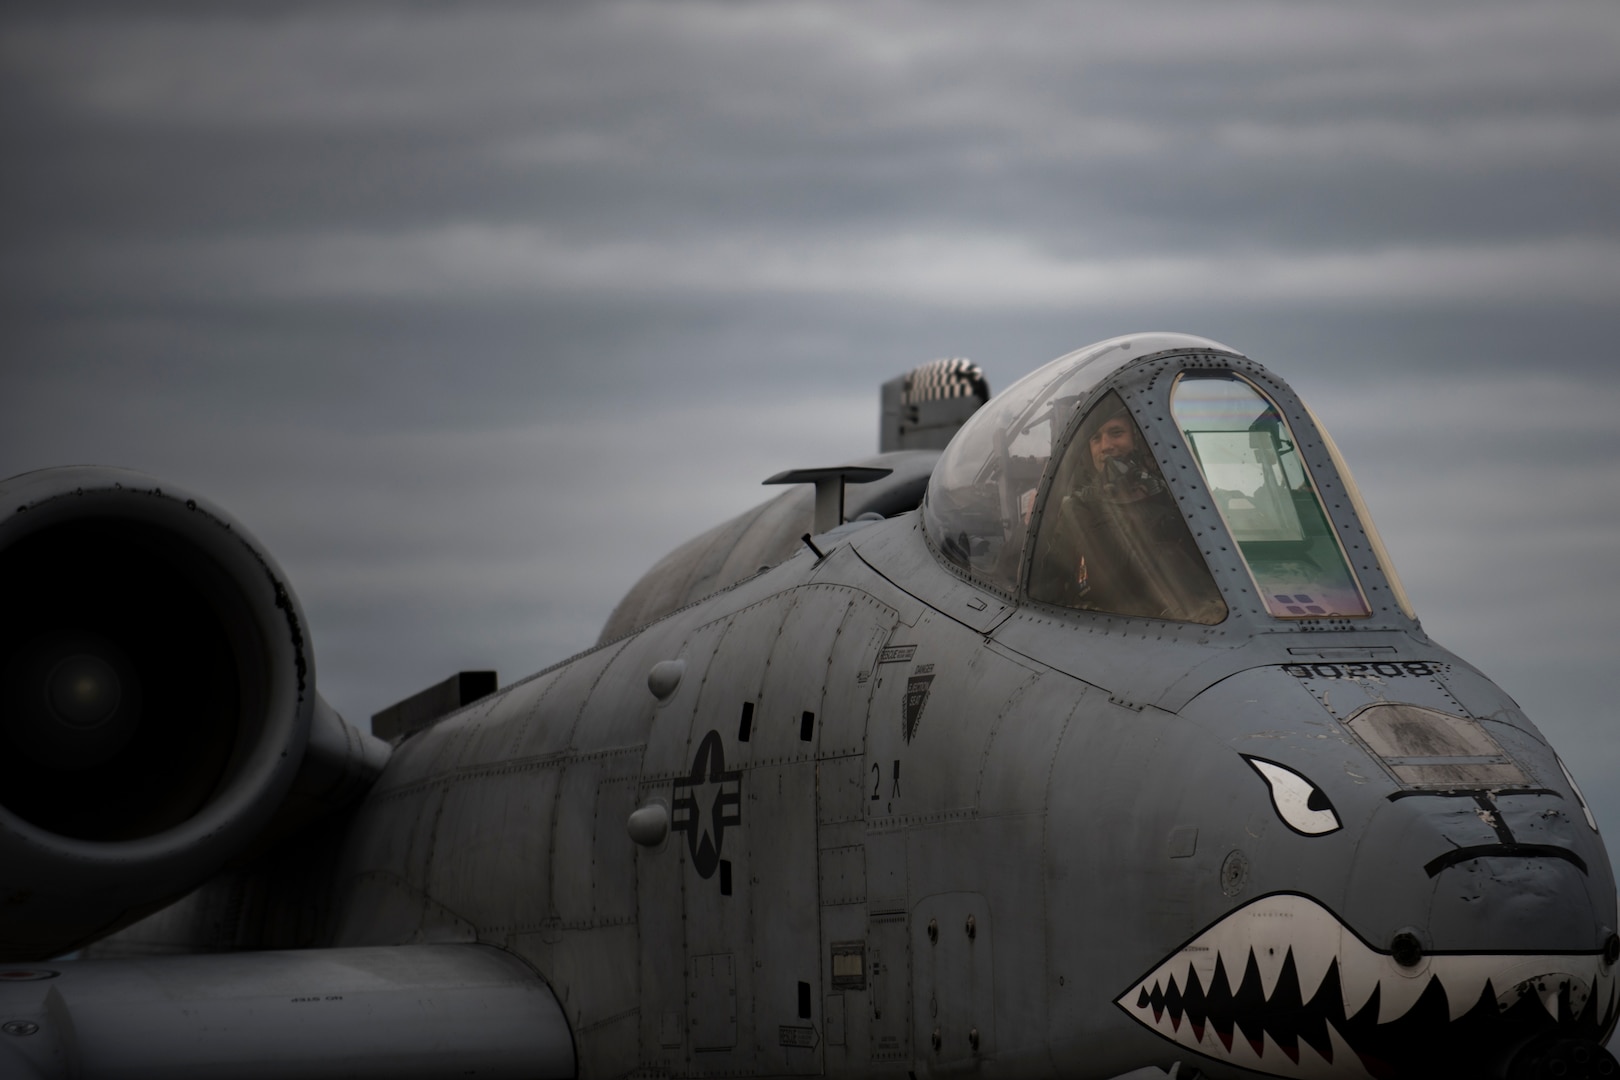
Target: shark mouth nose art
1281 986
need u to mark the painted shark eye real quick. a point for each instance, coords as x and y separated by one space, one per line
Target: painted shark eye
1300 803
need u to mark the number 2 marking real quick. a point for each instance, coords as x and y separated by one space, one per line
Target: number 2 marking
877 781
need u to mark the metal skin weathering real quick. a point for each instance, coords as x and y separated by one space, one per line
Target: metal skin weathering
1122 756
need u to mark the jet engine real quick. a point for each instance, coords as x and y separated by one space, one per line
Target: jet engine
156 698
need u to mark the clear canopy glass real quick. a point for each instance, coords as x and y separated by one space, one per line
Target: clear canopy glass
983 489
1246 453
1112 538
1119 543
982 493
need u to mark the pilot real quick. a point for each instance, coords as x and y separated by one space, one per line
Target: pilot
1118 475
1119 544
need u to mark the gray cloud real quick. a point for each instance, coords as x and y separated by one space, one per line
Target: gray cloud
472 312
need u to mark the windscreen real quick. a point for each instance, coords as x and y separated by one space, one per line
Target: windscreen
1112 538
1251 465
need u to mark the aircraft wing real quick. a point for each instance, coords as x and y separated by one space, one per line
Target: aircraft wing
403 1011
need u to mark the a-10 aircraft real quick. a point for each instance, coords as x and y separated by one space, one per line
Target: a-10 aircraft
1121 755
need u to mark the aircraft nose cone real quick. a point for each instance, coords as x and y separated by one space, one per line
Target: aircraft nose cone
1522 901
1510 871
1282 986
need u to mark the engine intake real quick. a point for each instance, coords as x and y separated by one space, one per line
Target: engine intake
156 695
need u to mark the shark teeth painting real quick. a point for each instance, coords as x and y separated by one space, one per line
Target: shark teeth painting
1282 987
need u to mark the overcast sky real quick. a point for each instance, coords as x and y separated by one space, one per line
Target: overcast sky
471 312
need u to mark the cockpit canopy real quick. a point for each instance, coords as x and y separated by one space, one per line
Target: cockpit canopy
1090 484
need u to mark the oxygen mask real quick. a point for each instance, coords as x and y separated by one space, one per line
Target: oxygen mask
1123 479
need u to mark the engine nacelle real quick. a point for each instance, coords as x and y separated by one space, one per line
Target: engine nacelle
156 695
